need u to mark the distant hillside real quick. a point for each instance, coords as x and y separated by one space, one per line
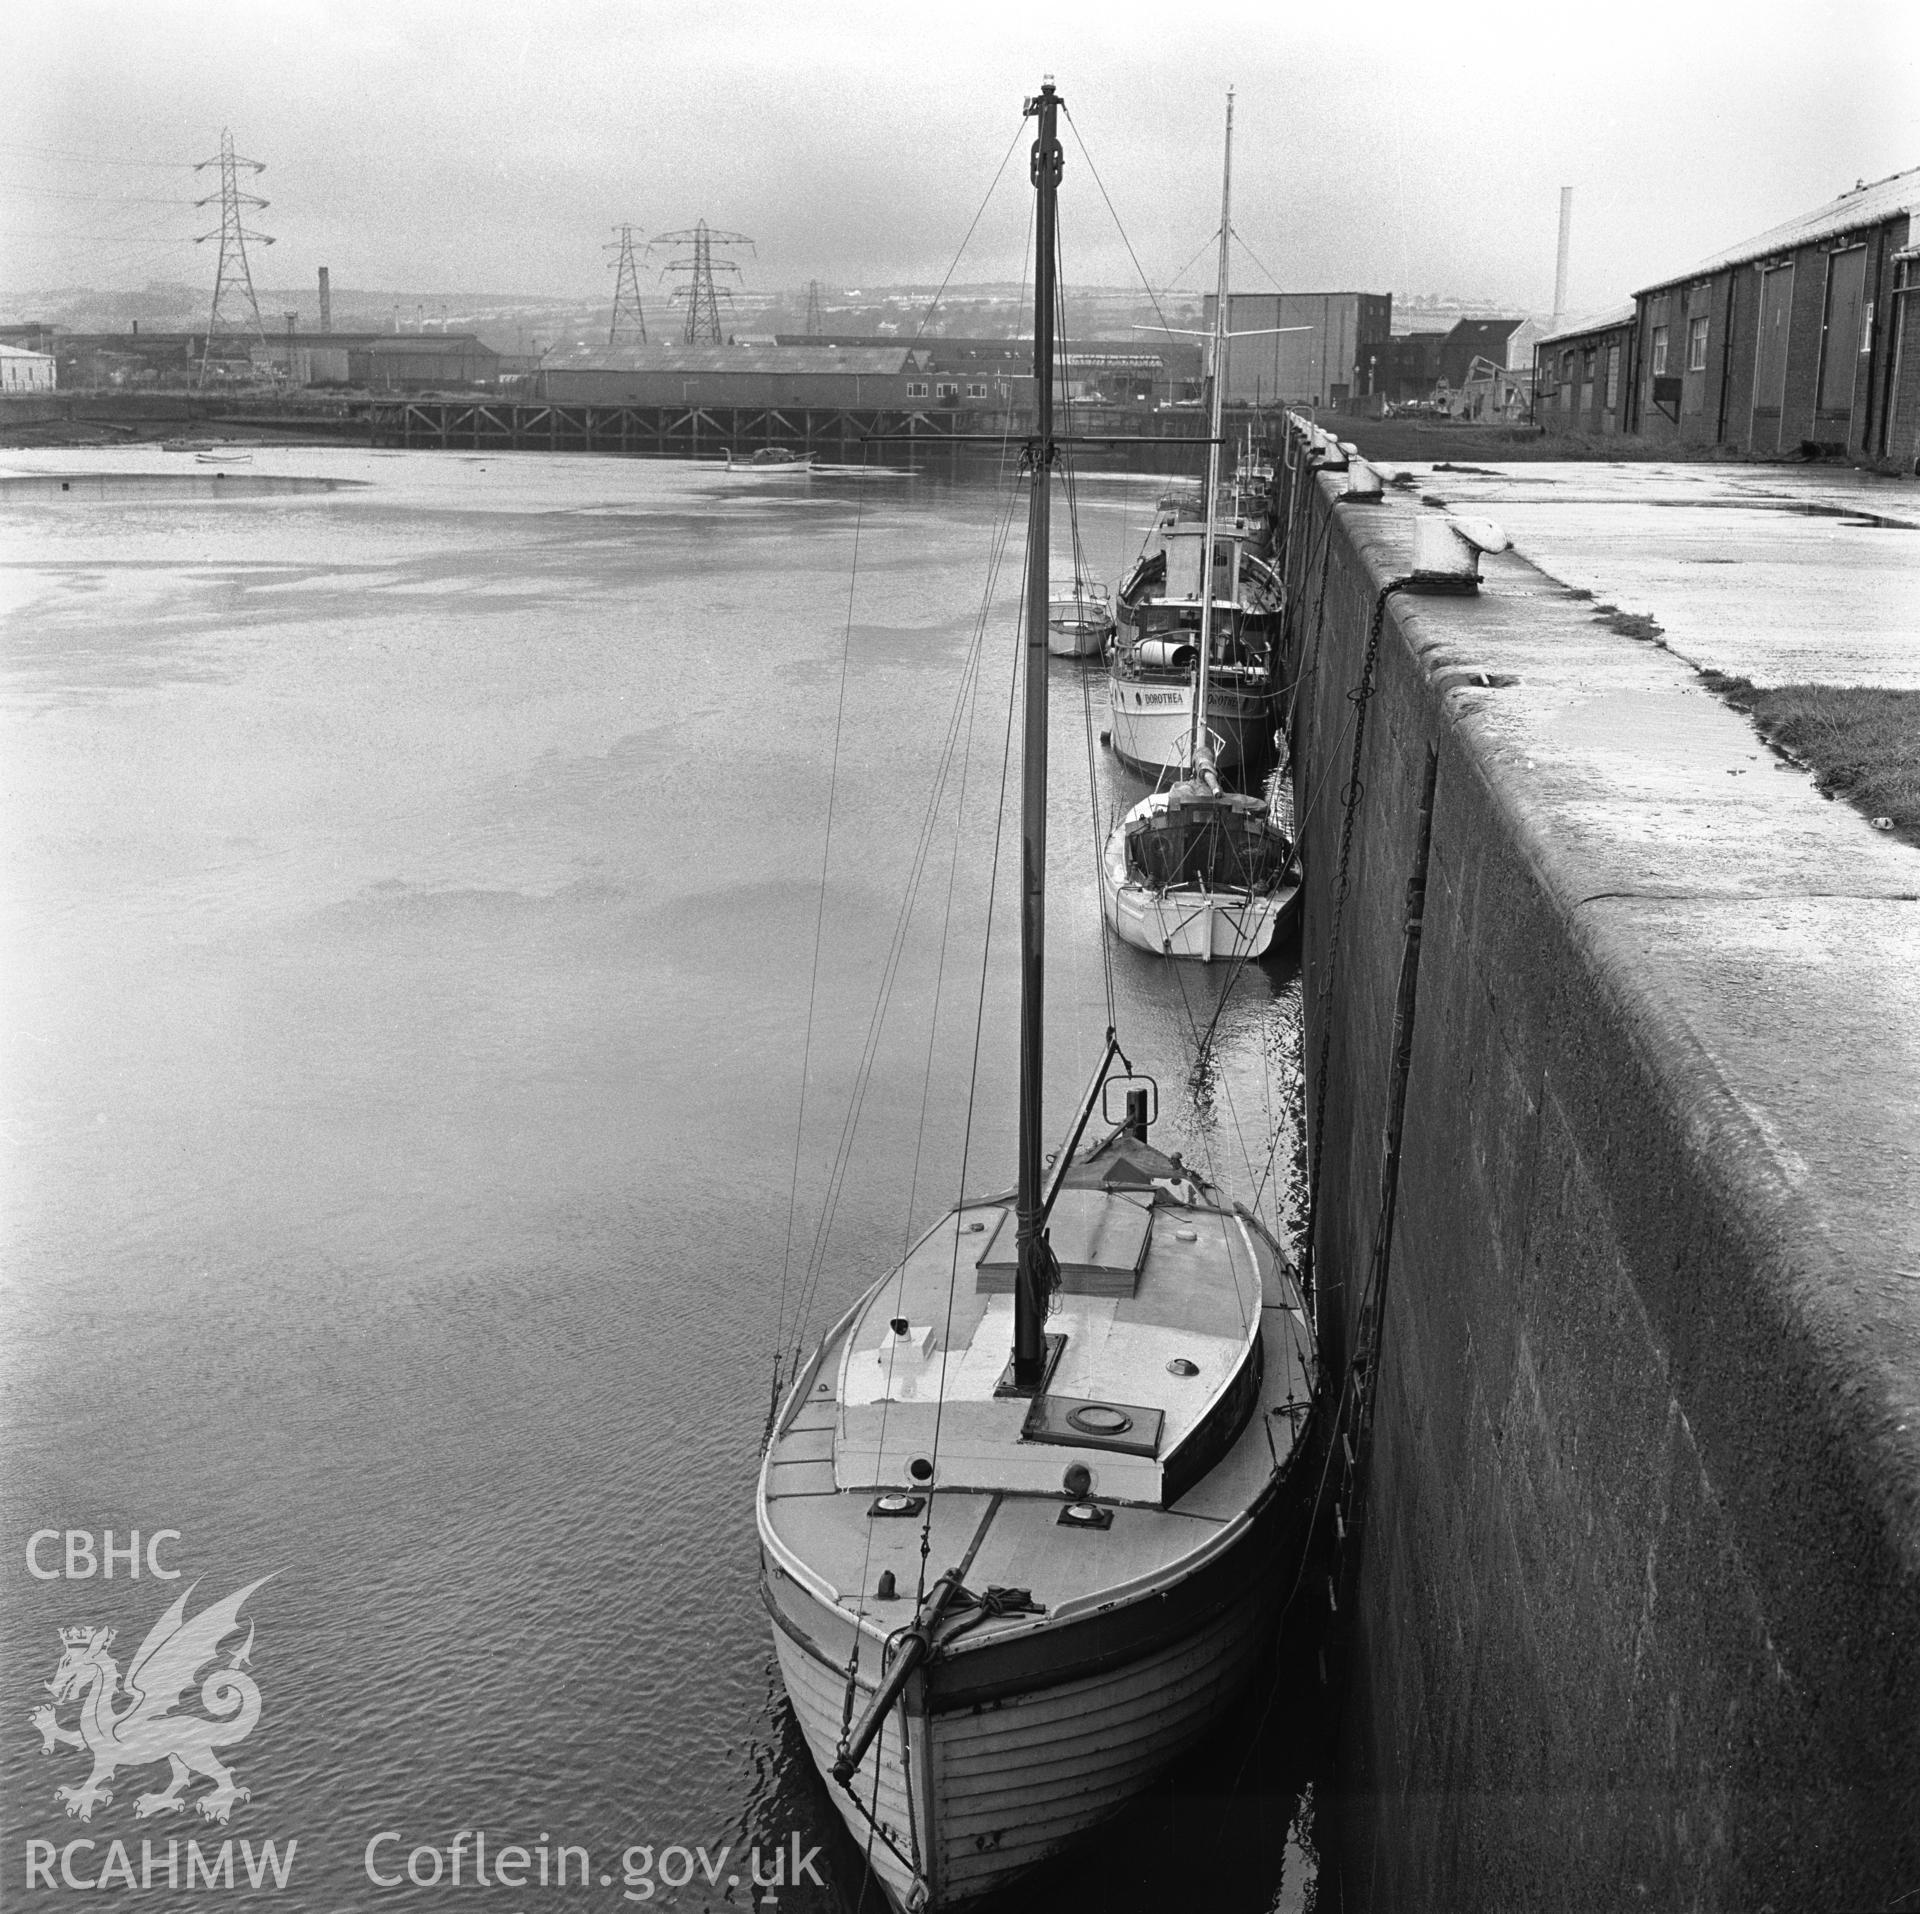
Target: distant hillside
523 323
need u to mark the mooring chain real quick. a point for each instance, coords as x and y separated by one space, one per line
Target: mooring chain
1359 697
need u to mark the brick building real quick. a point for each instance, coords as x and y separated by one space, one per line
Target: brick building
1581 373
1803 336
1403 368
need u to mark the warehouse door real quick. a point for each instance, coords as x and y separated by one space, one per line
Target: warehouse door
1900 437
1770 362
1840 342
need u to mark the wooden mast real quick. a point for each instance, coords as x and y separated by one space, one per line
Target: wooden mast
1034 1278
1199 750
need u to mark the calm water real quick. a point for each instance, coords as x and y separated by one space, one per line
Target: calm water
411 893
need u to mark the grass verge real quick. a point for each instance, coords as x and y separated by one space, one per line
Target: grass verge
1860 742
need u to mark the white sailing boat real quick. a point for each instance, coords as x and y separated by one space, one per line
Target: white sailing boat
1197 871
1026 1512
1206 566
1079 622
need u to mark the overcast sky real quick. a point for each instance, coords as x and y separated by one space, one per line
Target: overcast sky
468 146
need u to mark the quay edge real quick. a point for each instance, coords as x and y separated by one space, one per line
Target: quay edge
1631 1606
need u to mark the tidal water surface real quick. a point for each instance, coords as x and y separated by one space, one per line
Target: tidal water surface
444 919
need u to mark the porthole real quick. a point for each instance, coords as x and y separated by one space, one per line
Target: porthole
1096 1419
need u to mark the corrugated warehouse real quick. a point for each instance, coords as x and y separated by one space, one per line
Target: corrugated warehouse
1323 363
1581 375
414 361
669 375
1803 334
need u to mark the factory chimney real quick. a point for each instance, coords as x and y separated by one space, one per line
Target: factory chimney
326 302
1560 269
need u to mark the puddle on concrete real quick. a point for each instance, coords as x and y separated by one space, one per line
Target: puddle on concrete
1791 507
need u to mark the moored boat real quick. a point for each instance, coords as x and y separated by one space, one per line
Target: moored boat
1253 494
1158 615
1198 871
1026 1510
780 459
1079 622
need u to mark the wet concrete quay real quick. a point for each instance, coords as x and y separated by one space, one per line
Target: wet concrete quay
1771 573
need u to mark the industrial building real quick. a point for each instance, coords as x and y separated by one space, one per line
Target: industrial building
25 371
941 374
364 361
1322 359
1799 338
1580 375
682 375
1403 368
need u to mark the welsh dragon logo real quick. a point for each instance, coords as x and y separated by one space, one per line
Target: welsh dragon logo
147 1729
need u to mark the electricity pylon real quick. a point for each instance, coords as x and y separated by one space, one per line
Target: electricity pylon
233 270
815 324
700 295
626 291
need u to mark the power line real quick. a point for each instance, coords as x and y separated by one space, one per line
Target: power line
68 157
98 199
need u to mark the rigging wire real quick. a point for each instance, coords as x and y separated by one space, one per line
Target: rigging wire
1173 279
965 754
980 1000
1069 480
869 1054
973 1074
1094 172
827 841
1258 261
933 305
819 924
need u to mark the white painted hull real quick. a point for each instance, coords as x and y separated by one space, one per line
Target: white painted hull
1065 640
1207 925
1150 723
1023 1779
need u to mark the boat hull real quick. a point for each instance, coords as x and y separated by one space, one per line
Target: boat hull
1083 640
1208 925
991 1766
1150 722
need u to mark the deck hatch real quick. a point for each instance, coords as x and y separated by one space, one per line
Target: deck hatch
1124 1427
1099 1239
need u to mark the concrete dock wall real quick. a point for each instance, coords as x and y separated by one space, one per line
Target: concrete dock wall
1631 1320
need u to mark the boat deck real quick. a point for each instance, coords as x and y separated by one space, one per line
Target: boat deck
1206 1285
